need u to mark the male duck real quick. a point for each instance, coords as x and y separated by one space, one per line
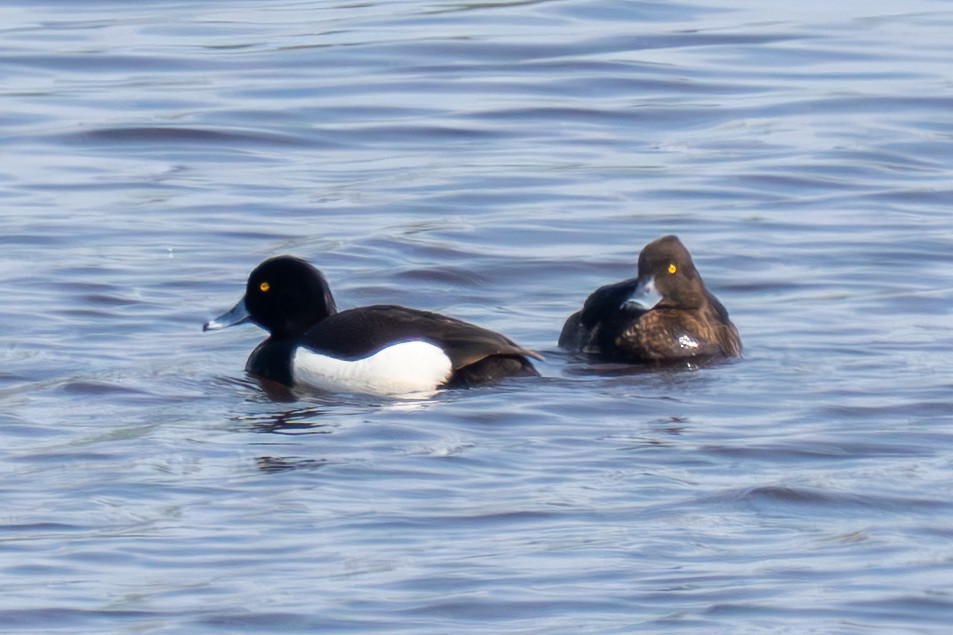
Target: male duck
379 350
685 321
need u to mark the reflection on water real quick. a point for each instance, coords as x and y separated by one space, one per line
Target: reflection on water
301 421
495 162
285 463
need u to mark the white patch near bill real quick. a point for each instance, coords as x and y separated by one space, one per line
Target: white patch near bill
400 369
645 296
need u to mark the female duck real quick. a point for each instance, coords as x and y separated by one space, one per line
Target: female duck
380 350
685 320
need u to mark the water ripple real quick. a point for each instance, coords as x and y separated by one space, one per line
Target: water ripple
496 162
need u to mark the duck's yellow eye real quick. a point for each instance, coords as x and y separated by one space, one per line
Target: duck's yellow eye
264 286
672 268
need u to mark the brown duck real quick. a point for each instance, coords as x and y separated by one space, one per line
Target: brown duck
619 323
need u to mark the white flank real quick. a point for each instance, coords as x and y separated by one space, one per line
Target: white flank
401 369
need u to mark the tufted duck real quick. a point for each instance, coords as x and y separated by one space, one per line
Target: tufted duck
380 350
685 321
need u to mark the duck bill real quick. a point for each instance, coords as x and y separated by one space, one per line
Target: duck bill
645 295
238 314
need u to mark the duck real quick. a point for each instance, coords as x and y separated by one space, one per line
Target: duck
664 314
383 350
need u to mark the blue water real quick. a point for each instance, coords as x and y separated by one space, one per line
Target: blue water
496 162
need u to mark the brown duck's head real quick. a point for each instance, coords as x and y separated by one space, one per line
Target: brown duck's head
666 269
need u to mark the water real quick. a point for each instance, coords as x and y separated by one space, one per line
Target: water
496 162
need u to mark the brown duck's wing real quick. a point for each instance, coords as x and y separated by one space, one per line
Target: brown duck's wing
706 328
721 313
604 311
728 339
360 332
606 301
714 326
656 335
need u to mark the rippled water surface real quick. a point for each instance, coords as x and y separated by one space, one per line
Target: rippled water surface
494 161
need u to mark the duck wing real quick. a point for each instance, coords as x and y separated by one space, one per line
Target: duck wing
603 310
357 333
